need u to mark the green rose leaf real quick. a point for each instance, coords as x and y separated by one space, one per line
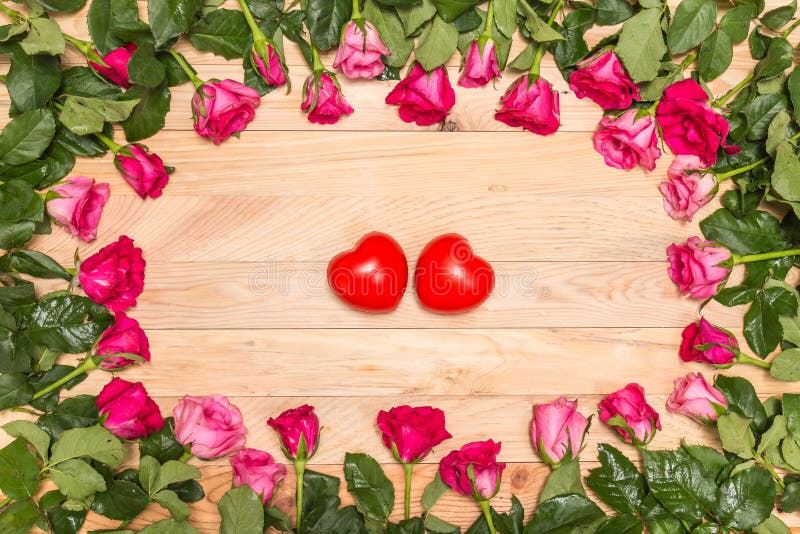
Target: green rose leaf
680 483
756 232
563 480
44 37
37 264
61 5
793 84
19 202
540 31
613 12
123 500
511 522
79 411
26 137
622 524
762 330
716 54
144 68
320 496
19 472
736 435
93 442
776 18
563 514
223 32
162 444
641 45
325 19
65 521
713 462
241 512
505 16
369 486
436 44
777 59
414 525
76 479
617 482
450 9
787 169
177 508
736 22
746 499
434 491
774 434
148 116
169 526
760 112
434 525
772 525
68 323
84 115
414 17
31 433
786 366
113 22
391 29
19 517
691 24
14 235
171 18
14 390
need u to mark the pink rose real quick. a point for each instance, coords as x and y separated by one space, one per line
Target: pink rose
211 426
143 171
686 192
424 98
602 78
694 267
480 66
482 456
359 54
117 61
324 101
79 206
557 430
688 124
114 276
258 470
695 398
627 141
223 108
411 433
627 412
532 105
124 335
716 344
127 411
268 64
298 430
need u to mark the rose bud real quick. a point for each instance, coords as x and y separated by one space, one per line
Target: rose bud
79 206
324 101
124 335
258 470
602 78
127 411
688 124
411 433
267 63
484 482
424 98
144 172
627 412
223 108
116 69
701 341
114 276
627 141
532 105
480 64
359 54
298 430
695 269
686 192
557 430
211 426
695 398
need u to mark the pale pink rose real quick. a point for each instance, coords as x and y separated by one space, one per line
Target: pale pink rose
695 398
211 426
223 108
626 141
557 430
258 470
480 67
530 104
695 269
627 412
79 206
686 192
270 68
359 54
324 101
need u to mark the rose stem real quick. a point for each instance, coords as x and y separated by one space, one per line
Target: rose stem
114 147
186 68
85 367
719 102
409 468
749 360
258 35
721 177
790 29
357 11
487 30
540 49
765 256
300 470
487 513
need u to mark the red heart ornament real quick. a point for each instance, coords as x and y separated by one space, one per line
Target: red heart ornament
372 276
450 278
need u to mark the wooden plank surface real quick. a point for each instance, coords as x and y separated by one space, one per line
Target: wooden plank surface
236 301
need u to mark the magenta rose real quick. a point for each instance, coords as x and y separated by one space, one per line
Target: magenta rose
694 267
114 276
127 411
626 141
324 101
359 54
482 456
701 341
532 105
258 470
424 98
211 426
411 433
480 65
684 191
79 206
144 172
695 398
298 430
602 78
557 430
124 335
223 108
268 64
627 412
117 60
688 124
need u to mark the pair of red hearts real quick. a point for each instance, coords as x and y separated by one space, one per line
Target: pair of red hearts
449 277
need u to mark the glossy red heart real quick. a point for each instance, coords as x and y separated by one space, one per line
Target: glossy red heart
450 278
372 276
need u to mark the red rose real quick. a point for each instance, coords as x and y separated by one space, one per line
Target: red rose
268 64
716 344
298 430
127 411
114 276
124 335
223 108
487 471
360 52
626 141
117 65
143 171
424 98
627 412
480 65
411 433
602 78
324 101
532 105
